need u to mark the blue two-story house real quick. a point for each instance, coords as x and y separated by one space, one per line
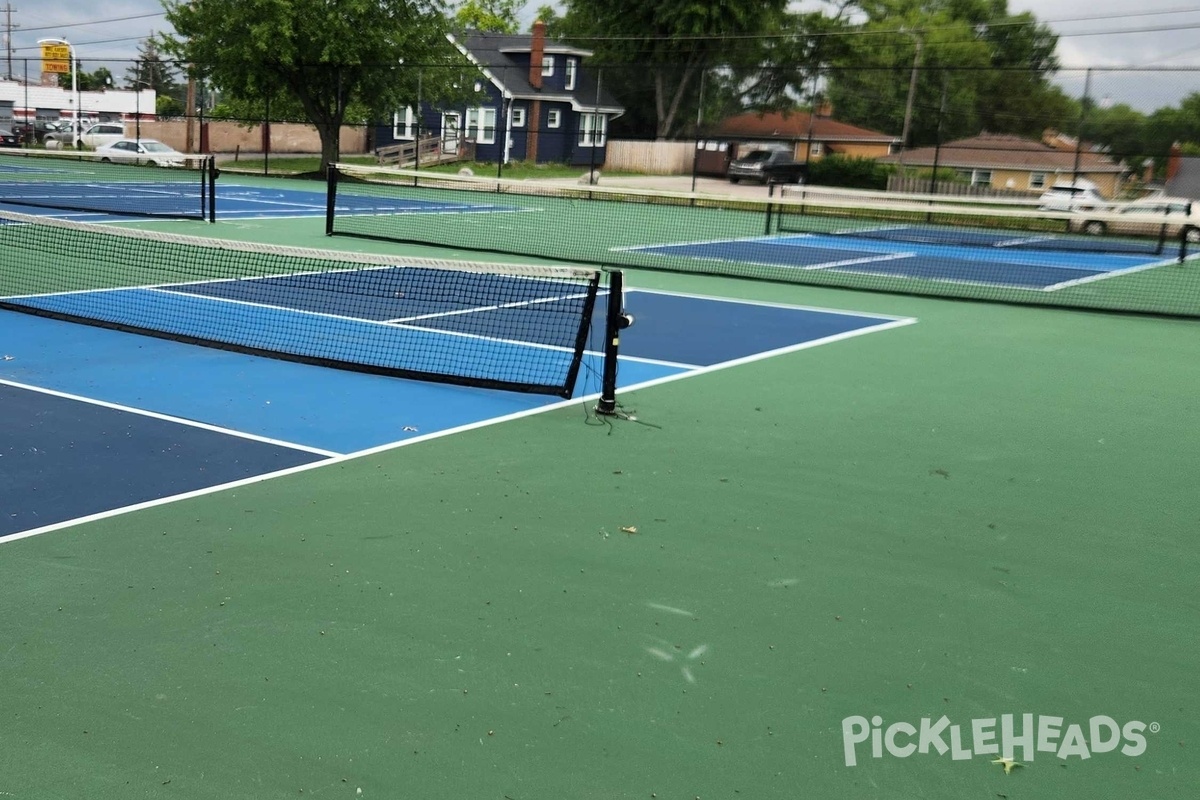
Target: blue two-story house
537 103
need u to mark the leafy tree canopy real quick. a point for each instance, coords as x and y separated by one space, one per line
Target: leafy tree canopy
493 16
655 52
326 57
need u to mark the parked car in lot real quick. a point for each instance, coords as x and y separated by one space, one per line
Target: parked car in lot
8 138
1155 216
149 152
101 134
62 132
1071 197
767 166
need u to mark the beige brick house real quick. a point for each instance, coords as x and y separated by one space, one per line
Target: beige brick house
809 137
1014 163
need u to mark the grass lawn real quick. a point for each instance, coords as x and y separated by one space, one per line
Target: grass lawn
517 170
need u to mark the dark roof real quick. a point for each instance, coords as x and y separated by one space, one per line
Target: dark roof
1005 151
794 126
1186 180
504 58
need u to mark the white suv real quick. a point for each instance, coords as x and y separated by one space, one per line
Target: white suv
1068 197
101 134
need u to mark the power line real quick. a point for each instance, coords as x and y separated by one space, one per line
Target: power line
95 22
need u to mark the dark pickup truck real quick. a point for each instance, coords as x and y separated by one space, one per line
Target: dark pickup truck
767 166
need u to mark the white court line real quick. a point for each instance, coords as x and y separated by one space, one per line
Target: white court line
141 412
341 459
865 260
765 303
1113 273
478 309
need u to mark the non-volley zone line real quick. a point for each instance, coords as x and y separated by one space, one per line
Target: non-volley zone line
1039 270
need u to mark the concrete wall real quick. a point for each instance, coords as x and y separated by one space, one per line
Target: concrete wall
230 137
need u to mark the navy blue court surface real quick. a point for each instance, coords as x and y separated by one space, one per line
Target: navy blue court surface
99 421
1040 265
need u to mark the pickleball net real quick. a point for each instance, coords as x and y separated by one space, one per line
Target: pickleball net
997 249
93 182
505 326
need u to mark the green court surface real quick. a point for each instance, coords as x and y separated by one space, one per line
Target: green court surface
990 512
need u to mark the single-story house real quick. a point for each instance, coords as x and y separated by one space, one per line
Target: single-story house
1014 163
538 104
809 137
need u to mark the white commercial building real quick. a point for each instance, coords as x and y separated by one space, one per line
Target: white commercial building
20 102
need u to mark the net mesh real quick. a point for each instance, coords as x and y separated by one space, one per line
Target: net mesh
1001 251
144 185
505 326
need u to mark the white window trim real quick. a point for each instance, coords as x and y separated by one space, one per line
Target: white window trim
1037 180
518 116
570 69
547 66
818 148
587 129
476 126
404 123
554 118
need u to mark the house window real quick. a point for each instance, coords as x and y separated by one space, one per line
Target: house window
518 116
547 65
481 125
570 73
592 128
981 177
816 149
1037 180
553 118
404 124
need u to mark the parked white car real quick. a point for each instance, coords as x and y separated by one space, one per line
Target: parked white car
1153 216
101 134
1071 197
149 152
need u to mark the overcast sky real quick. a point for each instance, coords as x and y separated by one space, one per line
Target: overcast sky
1093 33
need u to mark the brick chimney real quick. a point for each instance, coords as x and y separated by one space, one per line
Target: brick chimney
1174 157
537 47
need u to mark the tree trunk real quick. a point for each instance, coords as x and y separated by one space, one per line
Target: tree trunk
330 145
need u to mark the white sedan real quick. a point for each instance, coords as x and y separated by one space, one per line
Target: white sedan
150 152
1154 216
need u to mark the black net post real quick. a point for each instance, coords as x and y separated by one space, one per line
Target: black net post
331 197
211 180
616 320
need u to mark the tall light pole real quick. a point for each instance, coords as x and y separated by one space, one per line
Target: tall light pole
75 128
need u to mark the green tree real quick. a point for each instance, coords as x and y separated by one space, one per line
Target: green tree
493 16
151 70
326 57
951 69
96 81
654 53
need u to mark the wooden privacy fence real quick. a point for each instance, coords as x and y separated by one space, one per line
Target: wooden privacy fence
650 158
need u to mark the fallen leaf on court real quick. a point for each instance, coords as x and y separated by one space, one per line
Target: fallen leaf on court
9 358
410 429
629 529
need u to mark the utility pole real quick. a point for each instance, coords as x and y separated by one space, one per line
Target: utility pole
9 26
912 90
